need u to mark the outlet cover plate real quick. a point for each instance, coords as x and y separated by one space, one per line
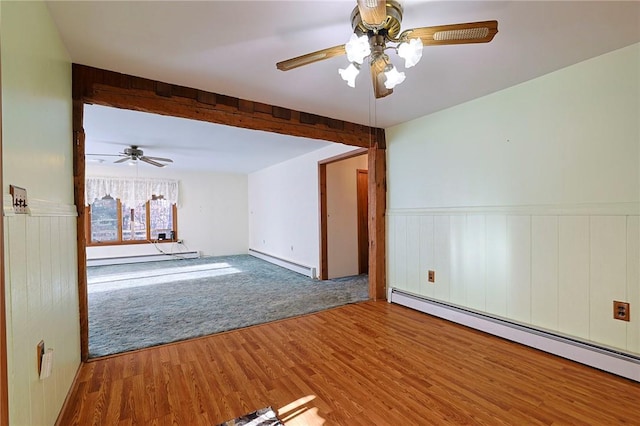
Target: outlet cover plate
621 311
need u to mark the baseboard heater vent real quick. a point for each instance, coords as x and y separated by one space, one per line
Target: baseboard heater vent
309 271
142 258
605 359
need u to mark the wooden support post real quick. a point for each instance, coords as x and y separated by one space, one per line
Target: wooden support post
79 183
377 208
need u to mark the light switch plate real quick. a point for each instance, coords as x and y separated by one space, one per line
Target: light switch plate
47 364
19 196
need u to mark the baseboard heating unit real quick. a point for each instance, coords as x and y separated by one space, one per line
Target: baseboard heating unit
605 359
309 271
142 258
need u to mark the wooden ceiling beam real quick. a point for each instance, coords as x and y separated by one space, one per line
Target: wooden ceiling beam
108 88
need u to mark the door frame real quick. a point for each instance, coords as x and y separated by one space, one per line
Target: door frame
323 274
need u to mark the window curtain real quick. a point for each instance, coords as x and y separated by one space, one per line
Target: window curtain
131 191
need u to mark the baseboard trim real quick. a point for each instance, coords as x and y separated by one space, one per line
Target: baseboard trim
309 271
142 258
602 358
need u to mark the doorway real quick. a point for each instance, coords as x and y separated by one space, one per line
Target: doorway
343 236
107 88
362 190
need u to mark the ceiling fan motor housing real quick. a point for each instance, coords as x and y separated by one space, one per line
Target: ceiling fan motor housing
391 24
134 152
377 43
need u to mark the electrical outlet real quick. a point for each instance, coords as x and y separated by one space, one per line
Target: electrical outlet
432 276
621 311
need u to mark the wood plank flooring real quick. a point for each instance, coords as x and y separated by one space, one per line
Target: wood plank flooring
371 363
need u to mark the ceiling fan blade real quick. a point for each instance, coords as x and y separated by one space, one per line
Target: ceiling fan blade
122 160
378 78
373 12
168 160
149 161
105 155
310 58
471 32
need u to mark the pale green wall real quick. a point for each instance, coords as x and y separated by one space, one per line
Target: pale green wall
40 248
36 73
526 201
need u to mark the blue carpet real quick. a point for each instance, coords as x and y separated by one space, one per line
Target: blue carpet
146 304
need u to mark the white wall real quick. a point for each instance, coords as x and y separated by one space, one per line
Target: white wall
40 248
526 202
212 211
284 207
342 216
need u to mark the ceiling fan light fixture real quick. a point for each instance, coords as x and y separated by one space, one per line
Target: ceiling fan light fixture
350 73
376 26
393 77
411 52
357 48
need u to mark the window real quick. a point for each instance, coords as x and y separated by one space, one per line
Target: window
104 220
161 215
109 221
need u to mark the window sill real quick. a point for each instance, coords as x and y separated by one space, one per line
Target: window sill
129 243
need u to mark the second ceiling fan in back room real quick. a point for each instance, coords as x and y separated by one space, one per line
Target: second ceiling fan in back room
133 154
376 28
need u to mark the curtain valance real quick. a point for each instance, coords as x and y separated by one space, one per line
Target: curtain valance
131 191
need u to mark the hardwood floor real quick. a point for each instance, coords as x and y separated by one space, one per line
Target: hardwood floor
372 363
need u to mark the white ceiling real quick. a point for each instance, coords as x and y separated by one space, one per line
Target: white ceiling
192 145
231 47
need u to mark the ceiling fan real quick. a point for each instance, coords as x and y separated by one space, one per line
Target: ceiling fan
376 28
134 154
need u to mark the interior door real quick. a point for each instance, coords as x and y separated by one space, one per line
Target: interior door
363 223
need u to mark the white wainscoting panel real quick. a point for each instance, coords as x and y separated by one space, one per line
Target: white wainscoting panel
496 264
475 262
544 271
558 271
426 259
413 254
442 256
42 304
401 253
457 286
392 265
519 268
573 275
633 281
608 278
